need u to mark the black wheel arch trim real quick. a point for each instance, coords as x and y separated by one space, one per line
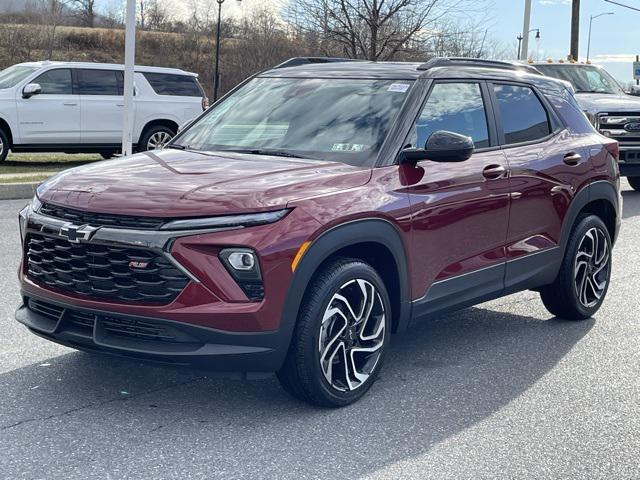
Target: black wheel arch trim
371 230
598 190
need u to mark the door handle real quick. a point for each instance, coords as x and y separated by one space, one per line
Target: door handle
572 158
493 172
70 104
119 104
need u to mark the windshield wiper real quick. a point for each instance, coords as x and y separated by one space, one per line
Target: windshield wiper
595 91
266 151
176 146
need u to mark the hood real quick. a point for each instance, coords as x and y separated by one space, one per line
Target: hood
174 183
602 102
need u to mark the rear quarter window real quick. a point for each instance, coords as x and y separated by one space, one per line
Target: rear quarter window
175 85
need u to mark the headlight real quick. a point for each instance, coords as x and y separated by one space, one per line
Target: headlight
23 216
227 221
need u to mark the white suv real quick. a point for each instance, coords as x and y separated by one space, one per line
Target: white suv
77 107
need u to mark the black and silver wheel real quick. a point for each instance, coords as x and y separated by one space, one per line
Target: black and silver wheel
156 137
4 145
341 335
582 283
634 182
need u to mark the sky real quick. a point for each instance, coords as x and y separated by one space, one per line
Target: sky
615 39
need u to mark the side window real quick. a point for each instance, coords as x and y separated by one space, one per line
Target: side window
55 82
524 118
456 107
176 85
97 82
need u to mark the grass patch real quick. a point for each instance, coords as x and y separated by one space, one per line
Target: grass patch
26 179
43 162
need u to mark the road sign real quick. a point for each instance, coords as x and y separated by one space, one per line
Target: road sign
636 70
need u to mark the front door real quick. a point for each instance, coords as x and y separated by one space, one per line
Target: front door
52 116
460 210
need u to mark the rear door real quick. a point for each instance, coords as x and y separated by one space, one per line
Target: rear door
52 116
459 210
546 163
102 102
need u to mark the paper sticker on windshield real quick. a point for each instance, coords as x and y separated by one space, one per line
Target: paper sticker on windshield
398 87
348 147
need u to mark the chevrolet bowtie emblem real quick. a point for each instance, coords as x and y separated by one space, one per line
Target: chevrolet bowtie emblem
76 233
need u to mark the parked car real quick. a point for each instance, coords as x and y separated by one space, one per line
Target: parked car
321 207
613 112
78 107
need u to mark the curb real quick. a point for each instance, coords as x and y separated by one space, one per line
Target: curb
15 191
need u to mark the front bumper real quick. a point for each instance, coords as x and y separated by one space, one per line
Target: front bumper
151 339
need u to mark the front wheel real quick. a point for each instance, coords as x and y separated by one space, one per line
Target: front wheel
635 183
583 280
341 336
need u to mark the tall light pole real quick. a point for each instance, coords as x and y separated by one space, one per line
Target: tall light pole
216 78
129 61
590 22
520 38
524 52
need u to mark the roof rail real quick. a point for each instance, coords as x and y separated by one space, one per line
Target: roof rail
476 62
298 61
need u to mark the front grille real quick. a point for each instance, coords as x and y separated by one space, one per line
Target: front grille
106 272
125 327
80 217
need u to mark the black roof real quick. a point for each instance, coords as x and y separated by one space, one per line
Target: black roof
320 67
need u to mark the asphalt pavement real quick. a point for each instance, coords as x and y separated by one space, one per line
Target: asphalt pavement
501 390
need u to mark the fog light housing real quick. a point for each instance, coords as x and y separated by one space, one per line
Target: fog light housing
242 264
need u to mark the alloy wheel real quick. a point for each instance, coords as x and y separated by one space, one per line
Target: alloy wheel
352 334
158 140
591 268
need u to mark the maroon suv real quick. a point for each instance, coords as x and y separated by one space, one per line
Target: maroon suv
320 207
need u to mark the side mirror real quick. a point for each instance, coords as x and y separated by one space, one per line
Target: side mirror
31 89
635 91
441 146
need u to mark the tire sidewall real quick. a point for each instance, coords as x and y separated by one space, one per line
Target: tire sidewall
153 130
584 225
5 146
317 381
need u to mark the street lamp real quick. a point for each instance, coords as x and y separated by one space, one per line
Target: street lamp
520 38
590 22
216 78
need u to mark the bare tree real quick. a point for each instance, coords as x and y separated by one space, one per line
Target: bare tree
372 29
53 14
85 11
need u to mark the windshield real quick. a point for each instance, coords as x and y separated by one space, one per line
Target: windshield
584 78
343 120
10 77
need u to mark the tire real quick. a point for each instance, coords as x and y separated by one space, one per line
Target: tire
635 183
314 370
155 137
4 145
582 283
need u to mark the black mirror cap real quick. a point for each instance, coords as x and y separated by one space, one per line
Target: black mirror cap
441 146
445 146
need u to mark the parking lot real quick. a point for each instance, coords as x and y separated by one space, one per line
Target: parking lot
497 391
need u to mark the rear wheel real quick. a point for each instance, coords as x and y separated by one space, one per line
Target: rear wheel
156 137
341 336
635 183
583 280
4 145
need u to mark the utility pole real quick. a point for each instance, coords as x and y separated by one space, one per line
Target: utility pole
524 52
575 28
